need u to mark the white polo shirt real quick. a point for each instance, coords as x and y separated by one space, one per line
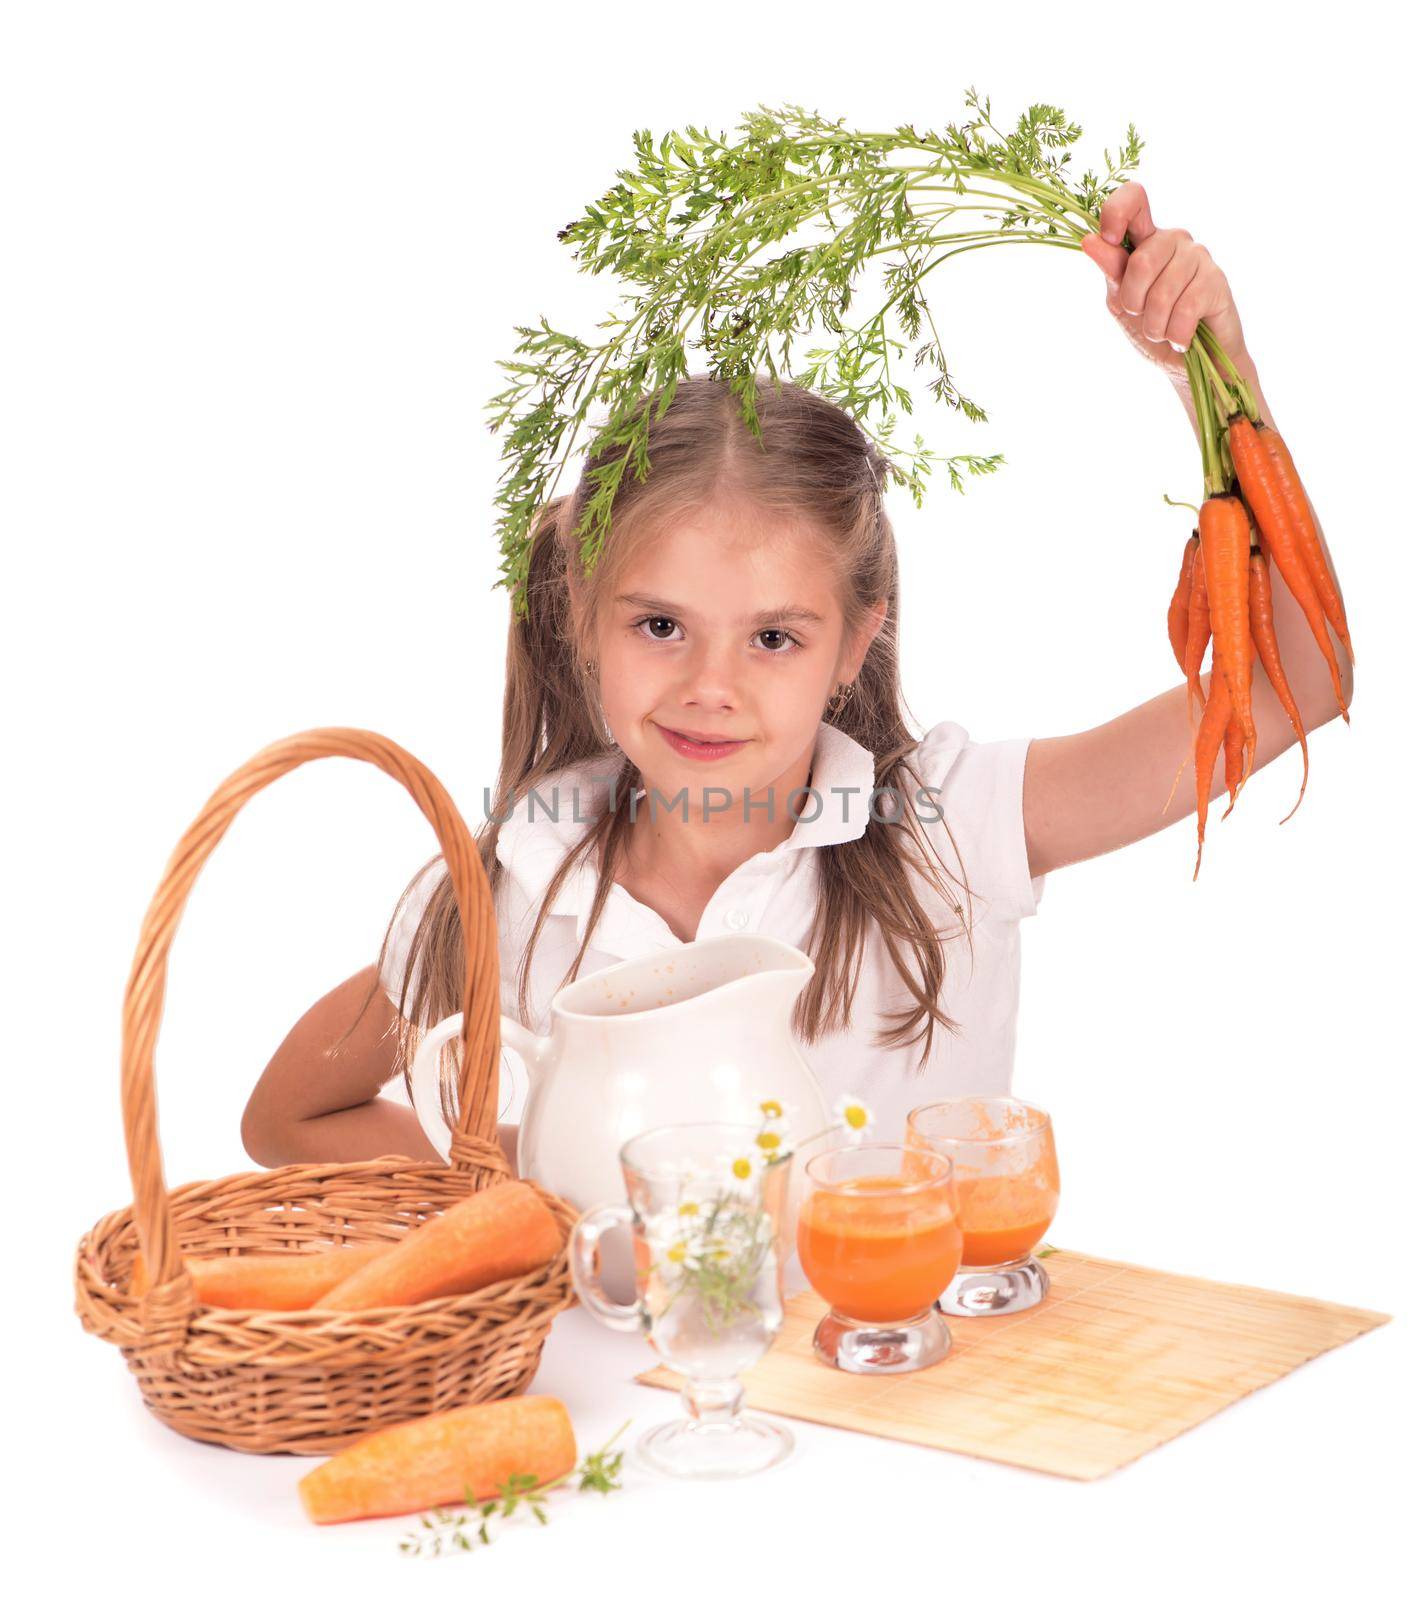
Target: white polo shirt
774 893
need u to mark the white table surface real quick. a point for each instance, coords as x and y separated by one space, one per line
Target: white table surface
1303 1482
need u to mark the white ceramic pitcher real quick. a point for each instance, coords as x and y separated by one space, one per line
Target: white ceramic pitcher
698 1033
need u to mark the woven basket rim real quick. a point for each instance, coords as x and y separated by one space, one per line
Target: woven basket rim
108 1326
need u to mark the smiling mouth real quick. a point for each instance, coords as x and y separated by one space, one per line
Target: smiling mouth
698 738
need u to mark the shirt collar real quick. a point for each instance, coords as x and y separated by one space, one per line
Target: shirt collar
535 839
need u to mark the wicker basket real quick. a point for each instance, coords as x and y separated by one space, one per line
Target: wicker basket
308 1382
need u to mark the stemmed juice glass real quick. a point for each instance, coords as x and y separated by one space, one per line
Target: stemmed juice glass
705 1215
879 1240
1008 1188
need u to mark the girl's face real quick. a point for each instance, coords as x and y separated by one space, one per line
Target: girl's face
725 628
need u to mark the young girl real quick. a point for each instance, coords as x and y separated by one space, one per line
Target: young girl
734 649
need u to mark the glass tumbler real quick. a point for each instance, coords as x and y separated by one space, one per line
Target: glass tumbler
1008 1186
704 1211
879 1240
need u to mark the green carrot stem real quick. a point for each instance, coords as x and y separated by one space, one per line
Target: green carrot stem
1213 378
1245 395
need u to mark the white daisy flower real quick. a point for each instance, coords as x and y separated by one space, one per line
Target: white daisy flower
660 1229
853 1114
741 1173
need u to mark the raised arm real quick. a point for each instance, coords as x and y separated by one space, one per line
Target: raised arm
1091 792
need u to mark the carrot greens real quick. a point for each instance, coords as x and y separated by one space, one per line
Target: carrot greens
694 229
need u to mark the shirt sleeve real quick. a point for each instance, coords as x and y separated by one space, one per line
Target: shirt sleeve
412 905
977 791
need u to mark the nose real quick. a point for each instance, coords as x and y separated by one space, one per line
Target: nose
710 682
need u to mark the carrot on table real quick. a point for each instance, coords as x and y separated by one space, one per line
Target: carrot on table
437 1460
288 1280
500 1232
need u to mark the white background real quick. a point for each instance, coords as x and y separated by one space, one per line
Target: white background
259 263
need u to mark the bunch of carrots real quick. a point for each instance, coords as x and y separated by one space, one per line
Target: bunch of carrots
1255 516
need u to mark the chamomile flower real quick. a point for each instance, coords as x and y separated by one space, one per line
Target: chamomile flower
853 1114
775 1113
660 1228
741 1173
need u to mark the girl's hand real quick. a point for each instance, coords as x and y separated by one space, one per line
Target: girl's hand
1164 286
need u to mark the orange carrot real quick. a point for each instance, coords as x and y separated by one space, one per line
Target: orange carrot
1264 637
1234 754
289 1281
500 1232
1205 751
1294 497
1224 538
435 1461
1199 631
1232 757
1180 603
1258 477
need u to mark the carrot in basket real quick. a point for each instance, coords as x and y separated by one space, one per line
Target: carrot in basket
432 1461
1199 631
1295 498
290 1280
500 1232
1264 638
1224 535
1180 604
1258 476
1205 751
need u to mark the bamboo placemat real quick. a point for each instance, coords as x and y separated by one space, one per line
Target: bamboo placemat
1115 1360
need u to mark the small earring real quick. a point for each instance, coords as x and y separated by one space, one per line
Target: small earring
840 699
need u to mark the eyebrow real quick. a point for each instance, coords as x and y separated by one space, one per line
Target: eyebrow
762 619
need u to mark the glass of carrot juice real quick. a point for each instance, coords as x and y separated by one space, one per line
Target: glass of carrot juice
879 1240
1008 1187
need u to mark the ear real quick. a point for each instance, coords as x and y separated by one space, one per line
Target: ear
872 626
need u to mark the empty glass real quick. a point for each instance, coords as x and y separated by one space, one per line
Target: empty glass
879 1240
1008 1186
705 1213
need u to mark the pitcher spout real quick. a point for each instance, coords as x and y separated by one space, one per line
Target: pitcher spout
705 982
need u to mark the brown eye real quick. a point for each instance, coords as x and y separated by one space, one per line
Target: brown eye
779 634
670 622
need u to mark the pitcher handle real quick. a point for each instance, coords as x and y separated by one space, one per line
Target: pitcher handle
586 1235
424 1073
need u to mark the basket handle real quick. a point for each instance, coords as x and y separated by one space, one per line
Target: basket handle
170 1292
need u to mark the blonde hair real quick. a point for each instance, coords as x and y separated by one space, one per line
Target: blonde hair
814 465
